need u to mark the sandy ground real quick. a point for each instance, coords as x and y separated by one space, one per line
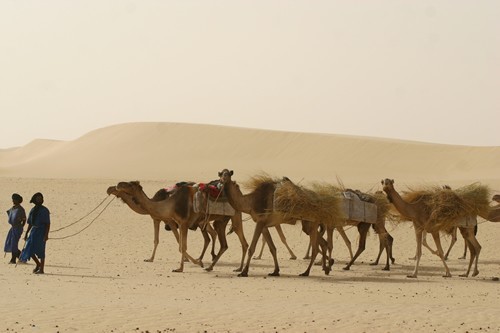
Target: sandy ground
97 281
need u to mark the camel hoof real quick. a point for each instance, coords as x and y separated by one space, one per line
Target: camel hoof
447 275
461 257
209 269
411 276
346 268
464 275
304 274
414 258
274 274
306 257
148 260
386 269
374 263
243 274
475 273
293 258
257 258
331 262
393 260
178 270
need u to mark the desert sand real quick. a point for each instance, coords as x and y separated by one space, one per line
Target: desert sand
97 281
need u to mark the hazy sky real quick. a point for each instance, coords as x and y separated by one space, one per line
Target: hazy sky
416 70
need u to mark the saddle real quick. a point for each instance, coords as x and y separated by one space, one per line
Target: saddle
210 199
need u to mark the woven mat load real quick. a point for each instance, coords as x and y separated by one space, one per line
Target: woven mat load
213 207
448 208
299 202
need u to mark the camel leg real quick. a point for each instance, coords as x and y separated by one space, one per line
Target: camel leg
156 227
206 242
261 249
384 241
418 235
182 240
283 240
183 249
220 228
267 235
453 241
313 241
237 225
474 248
440 251
251 250
424 243
213 235
347 242
308 255
363 232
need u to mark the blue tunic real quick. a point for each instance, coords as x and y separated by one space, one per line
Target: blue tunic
39 219
16 217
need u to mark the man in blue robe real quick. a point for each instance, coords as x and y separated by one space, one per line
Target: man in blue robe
17 219
39 225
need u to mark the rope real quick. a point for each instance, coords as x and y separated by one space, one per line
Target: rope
69 225
95 218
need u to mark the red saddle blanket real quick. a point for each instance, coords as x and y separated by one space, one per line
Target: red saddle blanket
213 191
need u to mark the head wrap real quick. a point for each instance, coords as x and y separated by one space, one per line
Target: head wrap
17 197
36 195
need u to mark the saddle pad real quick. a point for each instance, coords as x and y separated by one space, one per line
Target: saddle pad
357 210
201 205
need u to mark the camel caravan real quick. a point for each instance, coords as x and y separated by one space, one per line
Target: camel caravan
320 208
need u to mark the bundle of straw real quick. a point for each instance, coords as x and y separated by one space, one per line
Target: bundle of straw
443 207
307 204
448 206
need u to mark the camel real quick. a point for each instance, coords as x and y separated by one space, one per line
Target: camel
179 207
418 212
169 223
259 205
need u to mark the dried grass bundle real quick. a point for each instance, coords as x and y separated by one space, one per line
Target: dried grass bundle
383 204
259 180
445 207
302 203
448 206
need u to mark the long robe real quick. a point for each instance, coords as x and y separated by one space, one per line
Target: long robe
16 216
39 219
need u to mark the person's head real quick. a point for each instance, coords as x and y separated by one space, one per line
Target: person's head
37 198
17 199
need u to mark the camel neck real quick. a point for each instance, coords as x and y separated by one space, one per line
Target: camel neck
236 198
404 208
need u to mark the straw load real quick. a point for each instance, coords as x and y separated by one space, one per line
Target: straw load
321 204
447 208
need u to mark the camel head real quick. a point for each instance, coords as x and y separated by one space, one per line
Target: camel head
496 198
388 184
129 187
112 190
225 176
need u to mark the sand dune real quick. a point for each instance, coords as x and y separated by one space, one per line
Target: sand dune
96 279
184 151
